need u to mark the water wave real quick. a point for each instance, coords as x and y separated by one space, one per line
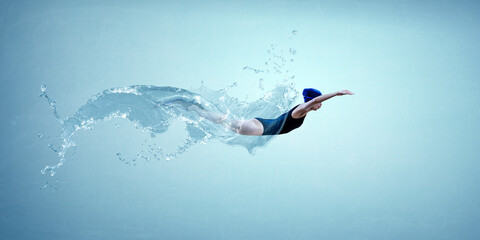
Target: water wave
153 108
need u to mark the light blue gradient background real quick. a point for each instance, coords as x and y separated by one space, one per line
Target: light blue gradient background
399 160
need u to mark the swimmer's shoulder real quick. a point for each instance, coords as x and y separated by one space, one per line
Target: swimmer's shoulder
299 111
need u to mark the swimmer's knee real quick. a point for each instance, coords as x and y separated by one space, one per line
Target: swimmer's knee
236 126
251 127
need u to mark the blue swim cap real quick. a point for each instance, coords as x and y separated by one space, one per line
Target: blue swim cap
310 93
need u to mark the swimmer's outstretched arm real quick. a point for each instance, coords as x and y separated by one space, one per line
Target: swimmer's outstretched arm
316 103
324 97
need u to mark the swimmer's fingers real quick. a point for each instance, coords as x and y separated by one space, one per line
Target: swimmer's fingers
345 92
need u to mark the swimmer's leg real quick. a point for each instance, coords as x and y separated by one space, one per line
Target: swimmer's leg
186 104
243 127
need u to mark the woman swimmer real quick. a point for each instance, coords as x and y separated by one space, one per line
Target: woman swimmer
283 124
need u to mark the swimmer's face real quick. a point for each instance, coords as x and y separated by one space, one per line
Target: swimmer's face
315 107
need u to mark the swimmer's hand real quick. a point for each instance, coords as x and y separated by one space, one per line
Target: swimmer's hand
344 92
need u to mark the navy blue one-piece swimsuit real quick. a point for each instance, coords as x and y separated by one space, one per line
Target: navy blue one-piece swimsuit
283 124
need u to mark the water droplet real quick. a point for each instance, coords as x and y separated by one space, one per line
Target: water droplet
292 51
51 147
292 34
260 84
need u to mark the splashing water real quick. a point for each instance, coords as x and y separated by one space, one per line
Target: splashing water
152 109
149 108
50 101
